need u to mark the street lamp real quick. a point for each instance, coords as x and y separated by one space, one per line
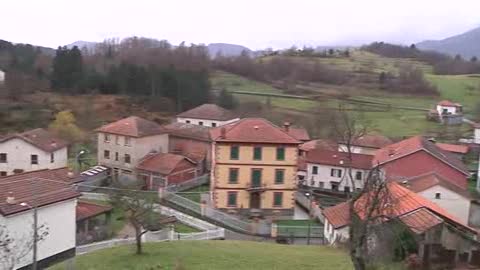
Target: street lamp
35 233
309 196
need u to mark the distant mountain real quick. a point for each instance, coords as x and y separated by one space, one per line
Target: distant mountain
80 44
227 49
466 44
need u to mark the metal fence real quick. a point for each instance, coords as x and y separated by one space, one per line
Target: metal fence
195 182
300 231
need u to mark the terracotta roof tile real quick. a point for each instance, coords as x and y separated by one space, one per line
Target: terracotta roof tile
300 134
340 159
421 220
132 126
448 103
163 163
40 138
414 144
61 174
252 130
319 144
372 141
428 180
338 215
87 210
209 112
191 131
454 148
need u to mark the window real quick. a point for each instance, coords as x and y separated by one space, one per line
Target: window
117 140
187 121
315 170
214 124
358 175
256 180
280 153
3 158
232 199
277 199
336 173
52 157
106 154
233 176
438 195
334 186
116 156
200 123
128 141
257 153
234 152
321 184
346 189
2 173
279 176
127 158
106 137
34 159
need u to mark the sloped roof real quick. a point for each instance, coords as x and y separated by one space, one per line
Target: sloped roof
413 145
61 174
163 163
428 180
300 134
454 148
320 144
252 130
421 220
209 112
339 159
87 210
448 103
371 141
40 138
132 126
33 191
401 202
188 131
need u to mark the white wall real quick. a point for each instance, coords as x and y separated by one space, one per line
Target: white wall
450 110
332 235
59 218
206 122
477 136
138 148
19 157
357 149
324 177
453 203
2 76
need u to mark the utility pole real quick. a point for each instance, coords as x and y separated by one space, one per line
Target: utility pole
35 233
309 196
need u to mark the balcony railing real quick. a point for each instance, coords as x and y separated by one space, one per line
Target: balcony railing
256 187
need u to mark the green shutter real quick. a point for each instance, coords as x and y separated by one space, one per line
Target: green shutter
277 199
279 176
232 199
233 177
257 153
280 153
234 151
256 178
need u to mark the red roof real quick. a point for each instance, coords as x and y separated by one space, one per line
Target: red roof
413 145
320 144
454 148
252 130
339 159
39 138
87 210
300 134
190 131
34 191
371 141
426 181
163 163
209 112
132 126
400 202
421 220
448 103
62 174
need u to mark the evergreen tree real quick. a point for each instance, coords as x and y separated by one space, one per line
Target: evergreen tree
226 100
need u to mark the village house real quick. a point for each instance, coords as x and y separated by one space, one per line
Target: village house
455 149
254 166
306 147
209 115
366 144
438 234
124 143
328 170
448 113
298 133
54 202
31 150
455 200
417 156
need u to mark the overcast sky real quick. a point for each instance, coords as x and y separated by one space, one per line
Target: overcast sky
256 24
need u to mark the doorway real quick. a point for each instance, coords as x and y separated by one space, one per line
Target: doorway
255 200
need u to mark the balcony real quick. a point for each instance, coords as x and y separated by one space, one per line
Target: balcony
251 187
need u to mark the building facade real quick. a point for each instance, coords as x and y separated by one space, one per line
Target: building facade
254 168
208 115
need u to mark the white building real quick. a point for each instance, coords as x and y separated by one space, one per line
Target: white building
328 170
123 144
446 107
2 77
476 134
31 150
366 144
55 202
209 115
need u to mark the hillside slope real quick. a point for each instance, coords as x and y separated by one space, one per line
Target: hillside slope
466 44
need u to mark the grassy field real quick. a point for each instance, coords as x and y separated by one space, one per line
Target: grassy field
215 255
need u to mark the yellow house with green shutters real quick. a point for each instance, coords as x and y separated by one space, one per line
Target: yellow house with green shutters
254 168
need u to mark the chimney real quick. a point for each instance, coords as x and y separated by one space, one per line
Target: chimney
10 198
286 126
223 133
255 127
